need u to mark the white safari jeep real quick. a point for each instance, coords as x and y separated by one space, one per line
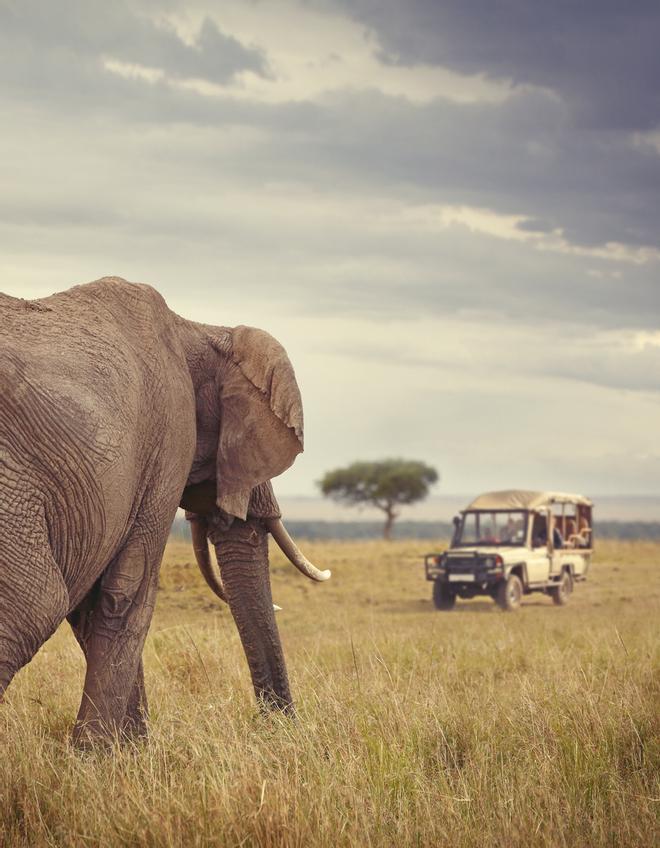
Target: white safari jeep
508 544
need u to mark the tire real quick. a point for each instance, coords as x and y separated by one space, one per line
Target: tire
509 593
443 598
562 592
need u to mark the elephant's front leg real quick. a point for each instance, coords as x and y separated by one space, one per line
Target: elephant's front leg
134 723
242 553
113 699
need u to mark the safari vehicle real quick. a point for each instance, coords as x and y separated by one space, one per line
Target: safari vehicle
508 544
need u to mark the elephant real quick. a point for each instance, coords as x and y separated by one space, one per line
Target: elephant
115 411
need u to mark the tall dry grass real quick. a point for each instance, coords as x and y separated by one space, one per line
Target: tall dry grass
469 728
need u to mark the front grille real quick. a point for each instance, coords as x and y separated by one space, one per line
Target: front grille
464 563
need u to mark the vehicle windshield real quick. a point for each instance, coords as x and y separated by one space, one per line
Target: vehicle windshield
503 527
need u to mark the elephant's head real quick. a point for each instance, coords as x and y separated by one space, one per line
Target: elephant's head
249 429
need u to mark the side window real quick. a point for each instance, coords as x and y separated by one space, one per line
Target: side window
539 531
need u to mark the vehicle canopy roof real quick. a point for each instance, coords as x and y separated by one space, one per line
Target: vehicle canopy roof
524 499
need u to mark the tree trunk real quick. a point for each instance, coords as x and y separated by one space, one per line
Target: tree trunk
389 521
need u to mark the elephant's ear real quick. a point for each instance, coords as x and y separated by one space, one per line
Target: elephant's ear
261 418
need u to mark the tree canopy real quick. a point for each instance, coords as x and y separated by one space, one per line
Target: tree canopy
385 483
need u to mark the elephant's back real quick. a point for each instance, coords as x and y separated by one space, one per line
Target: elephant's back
81 359
104 346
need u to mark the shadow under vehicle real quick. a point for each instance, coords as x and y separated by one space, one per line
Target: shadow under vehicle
511 543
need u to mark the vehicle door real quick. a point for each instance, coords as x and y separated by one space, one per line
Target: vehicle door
539 557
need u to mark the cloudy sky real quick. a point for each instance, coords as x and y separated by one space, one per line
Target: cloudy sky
448 212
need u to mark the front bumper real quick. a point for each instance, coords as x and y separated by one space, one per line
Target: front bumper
477 572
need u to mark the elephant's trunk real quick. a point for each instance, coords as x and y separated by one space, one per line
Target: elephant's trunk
199 530
292 553
242 552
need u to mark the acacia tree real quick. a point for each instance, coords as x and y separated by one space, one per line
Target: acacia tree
386 484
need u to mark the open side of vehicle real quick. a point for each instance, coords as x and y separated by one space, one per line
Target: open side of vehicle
511 543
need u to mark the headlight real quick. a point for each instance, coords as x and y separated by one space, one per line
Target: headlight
489 562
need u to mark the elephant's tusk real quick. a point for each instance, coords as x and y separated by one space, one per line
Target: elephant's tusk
198 530
291 552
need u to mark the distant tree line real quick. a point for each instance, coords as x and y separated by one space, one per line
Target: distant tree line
633 530
329 530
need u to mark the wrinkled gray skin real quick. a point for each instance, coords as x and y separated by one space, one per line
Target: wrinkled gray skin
112 411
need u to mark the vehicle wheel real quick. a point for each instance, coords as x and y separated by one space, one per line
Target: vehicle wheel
443 597
509 593
562 592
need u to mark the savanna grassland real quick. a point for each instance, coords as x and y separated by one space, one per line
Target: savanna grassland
468 728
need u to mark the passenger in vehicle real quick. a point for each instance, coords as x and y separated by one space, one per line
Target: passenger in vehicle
509 530
571 533
584 534
557 535
541 535
488 536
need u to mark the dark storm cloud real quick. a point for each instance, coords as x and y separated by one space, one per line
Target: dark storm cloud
601 56
517 158
520 157
85 31
460 274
